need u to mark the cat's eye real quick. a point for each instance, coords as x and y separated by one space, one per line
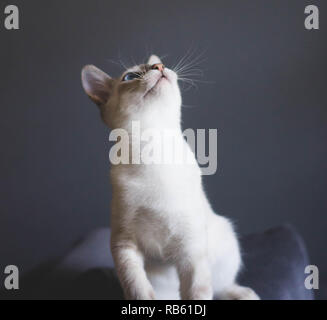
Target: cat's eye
131 76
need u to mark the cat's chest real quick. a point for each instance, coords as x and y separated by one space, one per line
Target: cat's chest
156 233
158 187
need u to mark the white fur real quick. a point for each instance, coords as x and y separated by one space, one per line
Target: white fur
167 242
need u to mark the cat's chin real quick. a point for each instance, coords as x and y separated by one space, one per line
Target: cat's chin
157 88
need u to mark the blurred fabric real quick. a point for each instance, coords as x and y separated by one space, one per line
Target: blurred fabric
274 263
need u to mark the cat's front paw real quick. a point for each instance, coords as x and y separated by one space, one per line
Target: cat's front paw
144 294
199 293
248 294
237 292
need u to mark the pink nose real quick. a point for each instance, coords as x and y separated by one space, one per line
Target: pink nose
158 66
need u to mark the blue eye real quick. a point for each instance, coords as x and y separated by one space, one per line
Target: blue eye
131 76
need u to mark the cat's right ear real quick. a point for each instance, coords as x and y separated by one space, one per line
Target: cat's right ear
97 84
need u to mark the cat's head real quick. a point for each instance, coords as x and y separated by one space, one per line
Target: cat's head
146 90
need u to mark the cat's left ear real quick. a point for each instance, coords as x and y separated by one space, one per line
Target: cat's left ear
97 84
153 60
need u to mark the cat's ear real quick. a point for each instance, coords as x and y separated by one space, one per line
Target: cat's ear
153 60
97 84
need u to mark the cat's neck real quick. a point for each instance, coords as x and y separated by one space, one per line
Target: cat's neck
156 118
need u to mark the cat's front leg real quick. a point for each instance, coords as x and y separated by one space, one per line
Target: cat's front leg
129 265
195 277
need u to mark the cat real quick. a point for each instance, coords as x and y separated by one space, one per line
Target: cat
166 241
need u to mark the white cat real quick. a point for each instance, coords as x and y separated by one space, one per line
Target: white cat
167 243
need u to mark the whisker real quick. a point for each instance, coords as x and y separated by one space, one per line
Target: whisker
182 60
187 106
187 68
189 60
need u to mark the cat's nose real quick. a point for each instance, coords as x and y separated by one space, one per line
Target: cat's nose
158 66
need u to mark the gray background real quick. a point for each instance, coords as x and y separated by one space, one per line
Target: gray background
267 96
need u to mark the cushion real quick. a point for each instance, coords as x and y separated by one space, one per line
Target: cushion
274 263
